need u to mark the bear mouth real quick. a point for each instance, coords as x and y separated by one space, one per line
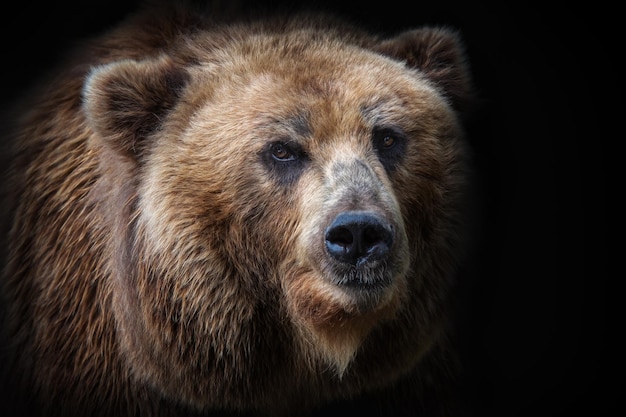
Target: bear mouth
367 287
362 278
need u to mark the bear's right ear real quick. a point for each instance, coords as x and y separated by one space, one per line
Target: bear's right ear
125 101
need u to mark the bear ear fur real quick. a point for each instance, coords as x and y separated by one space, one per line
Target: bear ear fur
125 101
438 54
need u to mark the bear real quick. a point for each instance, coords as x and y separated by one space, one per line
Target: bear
221 215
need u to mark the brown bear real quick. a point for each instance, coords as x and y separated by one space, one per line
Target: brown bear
220 215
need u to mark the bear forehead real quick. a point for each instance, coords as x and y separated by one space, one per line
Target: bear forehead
309 66
298 85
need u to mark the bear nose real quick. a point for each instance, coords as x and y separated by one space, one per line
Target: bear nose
357 237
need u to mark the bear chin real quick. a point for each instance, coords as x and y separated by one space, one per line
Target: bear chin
335 319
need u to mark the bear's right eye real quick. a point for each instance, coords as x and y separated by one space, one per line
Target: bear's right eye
284 160
281 152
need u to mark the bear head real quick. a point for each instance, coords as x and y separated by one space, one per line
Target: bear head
285 203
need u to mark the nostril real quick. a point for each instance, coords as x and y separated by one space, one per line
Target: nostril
358 237
340 236
371 236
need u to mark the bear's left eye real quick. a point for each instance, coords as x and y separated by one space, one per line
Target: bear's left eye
389 145
387 141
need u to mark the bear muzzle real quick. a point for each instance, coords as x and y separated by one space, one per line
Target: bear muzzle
359 239
359 246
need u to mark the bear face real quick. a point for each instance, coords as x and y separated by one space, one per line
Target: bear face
274 208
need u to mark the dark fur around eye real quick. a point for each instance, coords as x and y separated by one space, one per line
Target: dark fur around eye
284 160
390 145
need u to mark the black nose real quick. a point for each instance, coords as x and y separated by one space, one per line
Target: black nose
357 237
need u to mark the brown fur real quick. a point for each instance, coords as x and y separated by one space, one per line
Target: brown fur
159 264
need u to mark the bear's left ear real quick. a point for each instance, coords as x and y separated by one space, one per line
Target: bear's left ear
439 54
126 101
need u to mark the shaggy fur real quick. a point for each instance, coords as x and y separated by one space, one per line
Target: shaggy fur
171 191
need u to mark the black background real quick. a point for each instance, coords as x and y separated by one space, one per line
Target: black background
538 308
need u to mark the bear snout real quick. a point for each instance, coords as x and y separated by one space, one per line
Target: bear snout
359 238
360 249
